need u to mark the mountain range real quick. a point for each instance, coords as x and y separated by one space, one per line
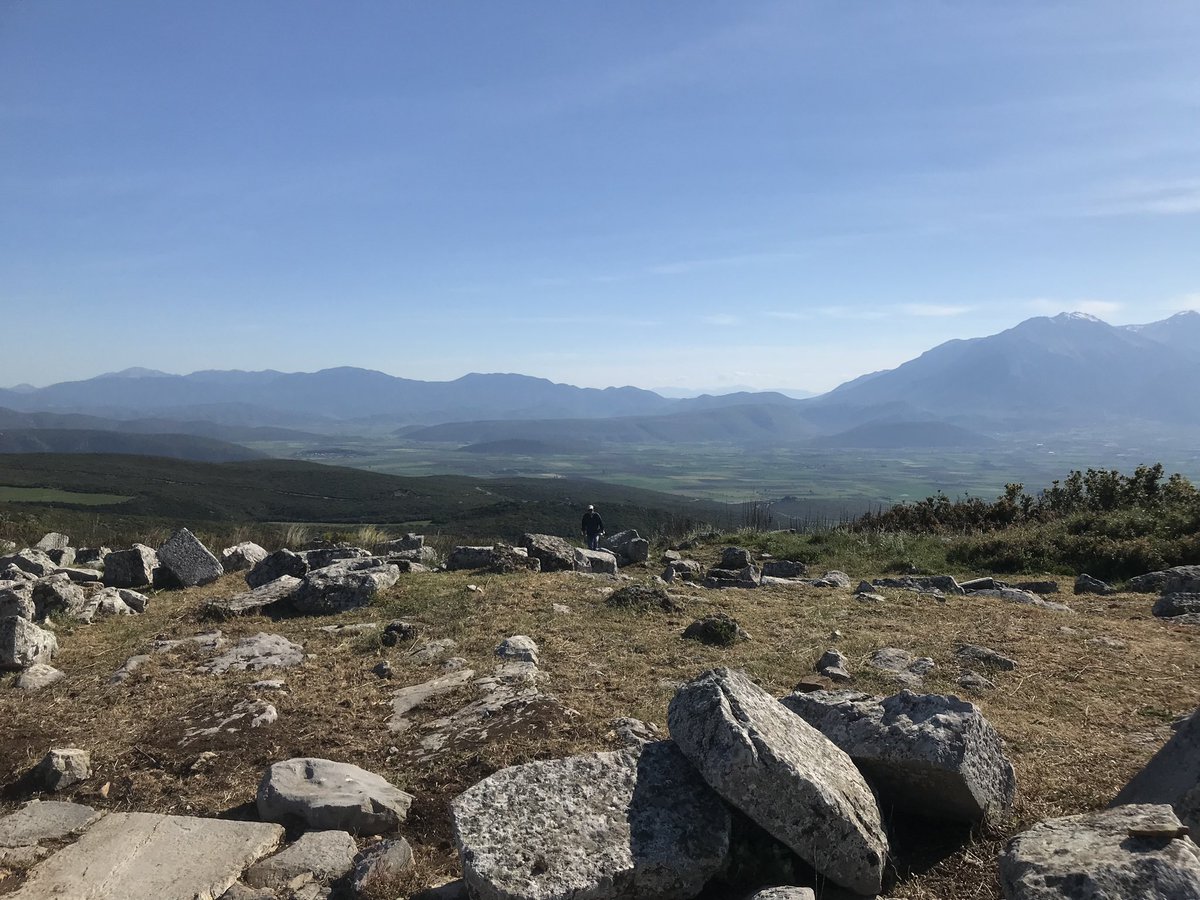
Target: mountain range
1044 375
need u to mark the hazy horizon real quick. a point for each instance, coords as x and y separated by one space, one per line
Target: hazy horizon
745 195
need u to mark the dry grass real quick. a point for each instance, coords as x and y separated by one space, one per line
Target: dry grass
1079 717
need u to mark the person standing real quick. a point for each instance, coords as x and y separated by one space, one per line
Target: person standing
592 527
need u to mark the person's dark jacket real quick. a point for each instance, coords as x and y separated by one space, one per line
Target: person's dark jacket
592 523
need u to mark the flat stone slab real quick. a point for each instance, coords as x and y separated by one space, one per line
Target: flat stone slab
782 773
636 823
331 795
44 820
323 855
261 651
408 698
255 601
927 754
1132 852
143 856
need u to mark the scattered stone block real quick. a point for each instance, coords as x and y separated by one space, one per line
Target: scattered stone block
57 595
323 856
143 856
91 557
519 647
332 796
242 557
34 562
1127 853
63 768
408 698
335 589
53 541
628 547
973 653
276 565
833 665
79 575
255 602
18 601
38 676
926 754
23 644
747 577
187 561
782 773
784 568
785 893
554 553
468 557
1086 584
44 820
632 823
1168 606
382 861
901 666
597 562
130 568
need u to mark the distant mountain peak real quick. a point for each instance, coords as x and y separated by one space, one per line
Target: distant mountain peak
1077 317
137 372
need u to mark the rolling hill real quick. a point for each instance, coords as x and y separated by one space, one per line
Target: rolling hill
174 446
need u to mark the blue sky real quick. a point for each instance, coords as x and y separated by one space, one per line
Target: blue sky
692 194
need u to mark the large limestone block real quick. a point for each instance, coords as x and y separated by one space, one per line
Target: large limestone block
256 601
638 823
279 563
38 676
35 562
23 644
57 594
782 773
599 562
1172 775
628 546
337 588
468 557
927 754
1128 853
187 561
554 553
142 856
257 652
331 796
130 568
53 541
17 600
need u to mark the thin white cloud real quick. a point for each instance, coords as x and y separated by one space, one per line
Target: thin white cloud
934 310
786 316
1167 197
851 312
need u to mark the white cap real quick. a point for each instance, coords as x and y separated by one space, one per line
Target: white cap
591 507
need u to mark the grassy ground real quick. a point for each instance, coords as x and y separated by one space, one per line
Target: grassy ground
1079 716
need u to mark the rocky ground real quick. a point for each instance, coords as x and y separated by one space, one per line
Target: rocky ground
444 678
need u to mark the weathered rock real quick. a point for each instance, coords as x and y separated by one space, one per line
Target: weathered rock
56 595
322 856
1036 587
23 644
784 774
91 557
519 647
642 597
257 601
506 560
973 681
239 891
926 754
748 577
130 568
785 893
336 589
1086 584
973 653
35 562
468 557
554 553
734 558
1025 598
633 732
261 651
1182 580
409 698
684 570
80 576
187 561
1176 604
833 665
382 861
142 856
628 547
7 546
628 824
276 565
405 544
718 630
63 557
331 796
63 768
1153 582
833 578
38 677
17 600
784 568
1127 853
1172 775
925 584
598 562
242 557
245 714
980 584
902 666
111 602
324 557
53 541
44 820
